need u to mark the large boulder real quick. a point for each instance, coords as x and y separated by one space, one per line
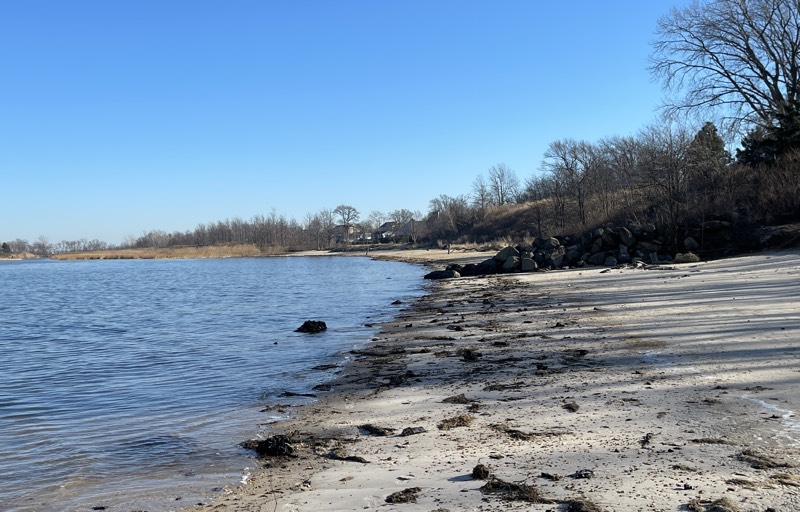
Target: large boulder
626 237
596 259
527 265
490 266
442 274
505 254
511 264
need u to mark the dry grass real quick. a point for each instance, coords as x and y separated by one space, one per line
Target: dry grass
232 251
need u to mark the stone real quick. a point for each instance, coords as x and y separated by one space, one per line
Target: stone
626 237
690 244
511 264
505 254
442 274
688 257
557 256
596 259
610 261
527 265
312 327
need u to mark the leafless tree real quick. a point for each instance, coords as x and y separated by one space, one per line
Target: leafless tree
481 195
503 184
738 56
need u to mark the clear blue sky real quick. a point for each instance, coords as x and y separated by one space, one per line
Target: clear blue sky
118 117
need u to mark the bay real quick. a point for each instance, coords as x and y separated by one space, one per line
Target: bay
129 383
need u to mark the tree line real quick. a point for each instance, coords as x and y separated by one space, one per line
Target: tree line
734 61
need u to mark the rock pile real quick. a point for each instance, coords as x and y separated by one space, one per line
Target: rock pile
601 247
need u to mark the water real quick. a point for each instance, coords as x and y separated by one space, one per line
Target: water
129 383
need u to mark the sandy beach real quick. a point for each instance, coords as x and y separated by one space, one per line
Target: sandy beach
664 388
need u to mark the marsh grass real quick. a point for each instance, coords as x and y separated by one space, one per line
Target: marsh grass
219 251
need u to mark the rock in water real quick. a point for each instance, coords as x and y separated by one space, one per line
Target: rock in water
312 326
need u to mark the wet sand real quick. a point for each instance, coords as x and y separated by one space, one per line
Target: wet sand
671 388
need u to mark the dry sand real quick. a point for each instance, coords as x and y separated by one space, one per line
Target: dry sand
661 389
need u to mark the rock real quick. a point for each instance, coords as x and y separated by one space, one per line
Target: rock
596 259
442 274
410 431
597 246
610 239
505 254
470 269
690 244
610 261
557 256
626 237
688 257
511 264
624 255
527 265
312 326
490 266
649 246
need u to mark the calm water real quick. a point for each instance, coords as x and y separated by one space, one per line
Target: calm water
129 384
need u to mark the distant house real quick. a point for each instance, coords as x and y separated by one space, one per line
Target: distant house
344 233
396 231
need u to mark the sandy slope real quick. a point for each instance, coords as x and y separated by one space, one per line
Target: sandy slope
666 387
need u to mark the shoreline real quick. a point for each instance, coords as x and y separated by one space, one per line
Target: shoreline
604 388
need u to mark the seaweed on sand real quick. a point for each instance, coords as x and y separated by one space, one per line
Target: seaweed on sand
513 492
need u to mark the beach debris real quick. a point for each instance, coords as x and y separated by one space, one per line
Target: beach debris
339 453
289 394
526 436
786 479
760 460
397 380
571 406
274 446
410 431
312 327
456 399
645 441
376 431
460 420
583 474
470 354
721 505
505 387
408 495
710 440
581 505
512 491
480 472
323 367
550 476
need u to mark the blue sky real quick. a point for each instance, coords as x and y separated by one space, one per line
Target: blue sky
125 116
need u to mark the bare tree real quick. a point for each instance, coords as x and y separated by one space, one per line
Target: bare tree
503 184
481 195
738 55
573 165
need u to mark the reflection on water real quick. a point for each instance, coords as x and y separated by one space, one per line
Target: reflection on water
120 377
